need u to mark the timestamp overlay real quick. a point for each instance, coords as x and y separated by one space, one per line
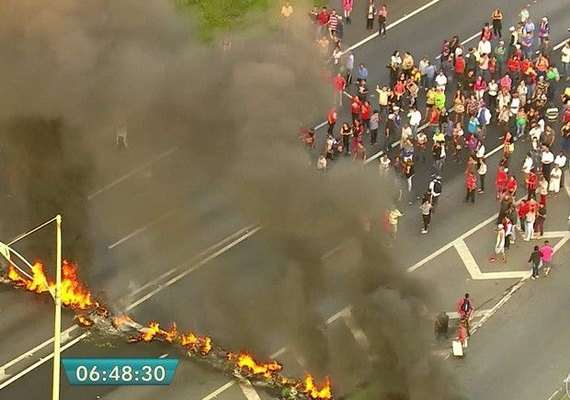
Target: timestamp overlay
120 371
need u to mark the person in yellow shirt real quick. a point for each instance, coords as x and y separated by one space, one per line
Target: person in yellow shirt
287 10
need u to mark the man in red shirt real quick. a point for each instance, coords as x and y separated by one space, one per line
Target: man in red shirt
339 85
514 66
470 185
365 114
531 182
355 107
331 120
501 181
459 69
512 185
522 210
323 17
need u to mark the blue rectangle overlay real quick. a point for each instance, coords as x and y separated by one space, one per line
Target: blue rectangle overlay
120 371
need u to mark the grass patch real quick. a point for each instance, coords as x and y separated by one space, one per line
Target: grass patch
224 15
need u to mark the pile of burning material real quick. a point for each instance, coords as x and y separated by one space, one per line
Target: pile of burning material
93 315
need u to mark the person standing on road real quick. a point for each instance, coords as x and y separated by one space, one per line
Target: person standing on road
331 120
382 17
471 186
374 124
497 21
530 219
482 171
500 244
546 253
393 216
434 189
465 310
425 209
534 260
339 86
347 8
370 12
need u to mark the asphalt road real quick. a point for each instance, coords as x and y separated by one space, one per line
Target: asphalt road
151 233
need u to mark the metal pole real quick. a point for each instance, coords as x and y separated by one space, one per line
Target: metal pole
57 322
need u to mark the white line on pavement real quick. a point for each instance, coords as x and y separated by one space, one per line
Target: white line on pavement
142 229
395 23
356 331
476 313
559 45
133 172
512 291
249 391
195 263
475 271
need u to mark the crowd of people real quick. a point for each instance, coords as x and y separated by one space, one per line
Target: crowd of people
509 81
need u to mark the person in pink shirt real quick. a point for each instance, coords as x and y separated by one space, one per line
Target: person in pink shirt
347 7
546 256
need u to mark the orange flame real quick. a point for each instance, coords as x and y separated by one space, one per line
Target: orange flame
206 345
84 321
15 277
151 332
314 392
189 340
73 293
266 370
120 320
171 334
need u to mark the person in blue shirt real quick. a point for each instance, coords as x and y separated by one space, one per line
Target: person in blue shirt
361 73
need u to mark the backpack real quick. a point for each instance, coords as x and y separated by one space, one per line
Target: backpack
437 187
466 306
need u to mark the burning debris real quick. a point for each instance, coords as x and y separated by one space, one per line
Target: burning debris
91 314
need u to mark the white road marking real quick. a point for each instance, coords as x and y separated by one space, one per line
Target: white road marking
475 271
142 229
195 264
132 173
561 44
164 355
356 331
394 24
249 391
512 291
219 390
476 313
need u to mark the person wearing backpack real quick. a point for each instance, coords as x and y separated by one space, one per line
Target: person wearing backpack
434 189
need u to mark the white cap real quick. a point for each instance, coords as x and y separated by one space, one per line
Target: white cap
512 29
500 226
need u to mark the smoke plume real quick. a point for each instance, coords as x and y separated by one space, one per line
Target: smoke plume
92 66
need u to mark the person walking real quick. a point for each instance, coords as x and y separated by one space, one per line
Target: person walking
555 178
393 216
331 120
546 253
534 260
425 209
482 171
349 65
471 186
382 17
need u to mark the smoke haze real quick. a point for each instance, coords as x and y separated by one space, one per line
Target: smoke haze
71 71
